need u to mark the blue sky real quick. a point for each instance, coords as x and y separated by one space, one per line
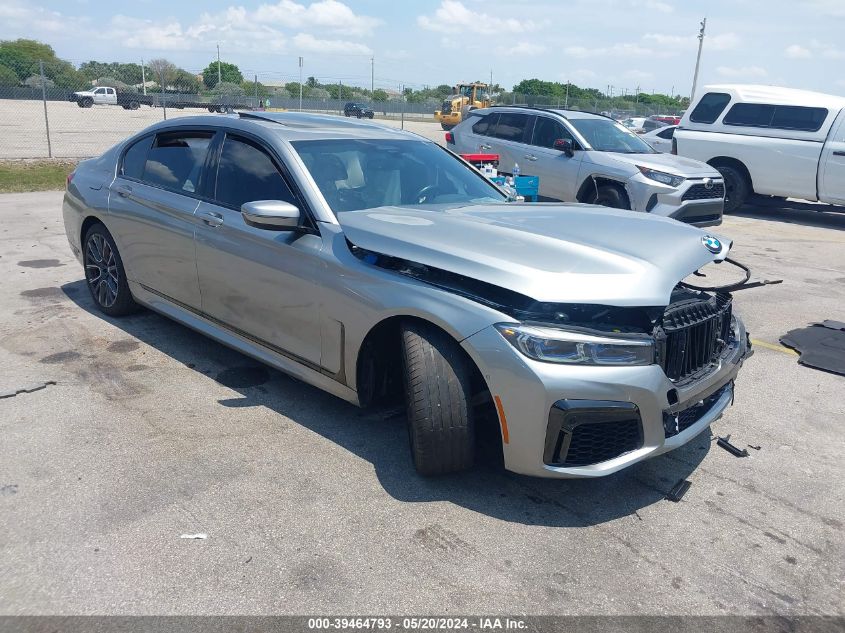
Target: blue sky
594 43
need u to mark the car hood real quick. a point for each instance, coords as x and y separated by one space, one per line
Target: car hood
549 252
669 163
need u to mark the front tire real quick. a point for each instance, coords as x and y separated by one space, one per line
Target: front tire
612 196
104 273
441 426
737 188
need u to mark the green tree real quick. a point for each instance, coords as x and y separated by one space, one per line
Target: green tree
379 95
8 77
162 70
226 88
250 88
23 55
293 88
185 82
228 73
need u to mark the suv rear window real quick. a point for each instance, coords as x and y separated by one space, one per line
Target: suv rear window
511 126
775 116
482 126
710 107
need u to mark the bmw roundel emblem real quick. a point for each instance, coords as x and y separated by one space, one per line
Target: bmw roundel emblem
711 243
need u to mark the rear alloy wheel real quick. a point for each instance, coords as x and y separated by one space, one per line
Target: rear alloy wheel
737 188
612 196
105 274
441 425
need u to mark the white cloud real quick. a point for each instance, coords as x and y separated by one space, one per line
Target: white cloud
617 50
722 41
522 48
308 43
453 16
796 51
742 72
326 14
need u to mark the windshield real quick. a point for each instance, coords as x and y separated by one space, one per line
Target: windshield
605 135
357 174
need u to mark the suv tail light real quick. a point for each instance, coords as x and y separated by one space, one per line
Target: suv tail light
69 179
675 146
450 138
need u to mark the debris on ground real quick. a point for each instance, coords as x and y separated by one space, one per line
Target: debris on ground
725 442
11 393
678 490
195 536
822 345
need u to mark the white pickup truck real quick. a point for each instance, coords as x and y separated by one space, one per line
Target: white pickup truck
105 95
768 140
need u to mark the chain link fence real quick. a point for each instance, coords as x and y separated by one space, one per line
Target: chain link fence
49 115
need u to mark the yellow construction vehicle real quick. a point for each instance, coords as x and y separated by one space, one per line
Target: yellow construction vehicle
466 97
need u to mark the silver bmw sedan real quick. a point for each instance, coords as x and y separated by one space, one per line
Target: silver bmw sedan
385 270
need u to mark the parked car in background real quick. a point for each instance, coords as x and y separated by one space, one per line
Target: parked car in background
105 95
378 266
768 140
667 119
661 138
634 123
651 124
583 157
358 110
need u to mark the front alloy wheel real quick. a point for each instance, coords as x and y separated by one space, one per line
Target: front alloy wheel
105 275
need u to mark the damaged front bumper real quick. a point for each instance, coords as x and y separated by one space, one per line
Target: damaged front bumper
571 422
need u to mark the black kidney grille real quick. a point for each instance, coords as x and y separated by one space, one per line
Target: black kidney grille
696 333
700 192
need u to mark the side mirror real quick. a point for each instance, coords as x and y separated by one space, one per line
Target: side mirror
273 215
565 146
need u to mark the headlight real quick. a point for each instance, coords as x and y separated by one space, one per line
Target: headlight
553 345
661 177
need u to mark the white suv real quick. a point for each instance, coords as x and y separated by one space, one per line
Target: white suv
582 157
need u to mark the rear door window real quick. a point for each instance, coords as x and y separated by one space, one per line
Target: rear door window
547 131
667 133
176 159
511 126
484 124
247 173
710 107
135 158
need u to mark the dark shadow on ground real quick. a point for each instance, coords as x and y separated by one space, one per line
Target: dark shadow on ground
793 212
382 439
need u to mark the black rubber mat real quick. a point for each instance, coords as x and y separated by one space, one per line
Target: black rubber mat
822 345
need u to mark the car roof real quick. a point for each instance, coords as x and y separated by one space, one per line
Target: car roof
567 114
294 126
776 95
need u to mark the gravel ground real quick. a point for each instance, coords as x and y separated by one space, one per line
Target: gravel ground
84 132
152 431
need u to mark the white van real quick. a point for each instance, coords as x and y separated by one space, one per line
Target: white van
768 140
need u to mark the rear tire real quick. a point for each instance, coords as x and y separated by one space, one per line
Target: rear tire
87 102
737 187
104 273
612 196
441 426
134 105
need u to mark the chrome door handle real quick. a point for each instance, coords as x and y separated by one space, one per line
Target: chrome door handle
484 146
211 218
530 157
124 191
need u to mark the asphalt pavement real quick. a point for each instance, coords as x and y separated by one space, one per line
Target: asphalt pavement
148 431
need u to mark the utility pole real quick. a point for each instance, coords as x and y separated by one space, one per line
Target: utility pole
698 59
372 76
566 105
300 84
44 101
638 95
219 75
143 76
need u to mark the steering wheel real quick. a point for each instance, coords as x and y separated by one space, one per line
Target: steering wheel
423 194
